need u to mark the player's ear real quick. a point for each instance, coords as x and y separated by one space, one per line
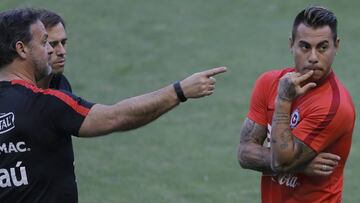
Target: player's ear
291 45
21 49
337 43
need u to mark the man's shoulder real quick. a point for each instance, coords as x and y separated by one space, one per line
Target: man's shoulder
331 97
272 76
346 105
275 73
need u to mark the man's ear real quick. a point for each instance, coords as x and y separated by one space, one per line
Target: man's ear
291 45
337 43
21 49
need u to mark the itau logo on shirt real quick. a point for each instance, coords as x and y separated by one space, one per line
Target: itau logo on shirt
7 122
295 118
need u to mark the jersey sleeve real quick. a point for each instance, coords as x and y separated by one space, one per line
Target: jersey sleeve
323 126
66 111
258 101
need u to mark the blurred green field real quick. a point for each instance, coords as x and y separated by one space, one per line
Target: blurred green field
122 48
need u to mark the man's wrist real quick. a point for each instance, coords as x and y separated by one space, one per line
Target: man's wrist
282 101
179 92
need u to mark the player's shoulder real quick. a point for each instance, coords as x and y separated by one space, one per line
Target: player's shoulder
342 100
346 105
49 93
340 90
333 97
273 75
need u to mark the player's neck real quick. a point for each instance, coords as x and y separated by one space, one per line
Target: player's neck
45 82
16 71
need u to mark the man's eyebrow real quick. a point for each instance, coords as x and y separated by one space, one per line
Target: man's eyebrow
61 40
322 43
318 44
304 42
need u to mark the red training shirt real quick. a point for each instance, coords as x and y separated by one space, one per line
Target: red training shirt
323 119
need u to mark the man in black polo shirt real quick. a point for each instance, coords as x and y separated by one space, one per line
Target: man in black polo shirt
55 27
36 159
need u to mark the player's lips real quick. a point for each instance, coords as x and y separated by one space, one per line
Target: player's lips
60 62
314 68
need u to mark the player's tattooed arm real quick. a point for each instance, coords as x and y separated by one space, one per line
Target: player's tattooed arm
251 153
287 152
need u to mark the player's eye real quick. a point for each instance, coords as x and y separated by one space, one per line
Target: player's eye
304 46
44 43
323 48
53 44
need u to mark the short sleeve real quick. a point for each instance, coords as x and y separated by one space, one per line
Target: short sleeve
258 101
66 111
323 126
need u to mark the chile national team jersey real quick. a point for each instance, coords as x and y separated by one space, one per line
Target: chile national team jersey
323 119
36 156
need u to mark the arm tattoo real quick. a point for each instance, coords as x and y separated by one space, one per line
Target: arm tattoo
286 139
251 152
252 132
303 155
286 90
281 118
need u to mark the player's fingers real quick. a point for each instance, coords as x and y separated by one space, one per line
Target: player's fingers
322 173
324 167
212 80
295 74
211 87
214 71
307 87
208 93
325 155
329 162
302 78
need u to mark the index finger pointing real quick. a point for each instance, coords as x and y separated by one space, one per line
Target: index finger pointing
215 71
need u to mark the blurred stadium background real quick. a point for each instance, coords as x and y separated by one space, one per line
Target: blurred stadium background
122 48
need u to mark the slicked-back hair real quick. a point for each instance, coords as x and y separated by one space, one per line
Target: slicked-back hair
316 17
50 18
15 26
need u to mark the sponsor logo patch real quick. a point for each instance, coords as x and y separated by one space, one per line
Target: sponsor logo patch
7 122
295 118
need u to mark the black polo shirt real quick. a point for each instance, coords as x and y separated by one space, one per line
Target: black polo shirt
36 155
60 82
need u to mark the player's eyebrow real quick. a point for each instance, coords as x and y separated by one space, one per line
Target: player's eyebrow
302 42
322 43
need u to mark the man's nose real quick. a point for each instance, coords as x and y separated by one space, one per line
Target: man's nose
313 58
60 49
50 49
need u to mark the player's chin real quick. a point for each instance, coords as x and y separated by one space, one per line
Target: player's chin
57 70
317 78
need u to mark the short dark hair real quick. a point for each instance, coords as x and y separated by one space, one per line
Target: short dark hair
15 26
315 17
50 18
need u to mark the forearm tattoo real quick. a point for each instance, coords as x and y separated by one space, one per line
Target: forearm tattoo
281 118
286 90
286 142
302 156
